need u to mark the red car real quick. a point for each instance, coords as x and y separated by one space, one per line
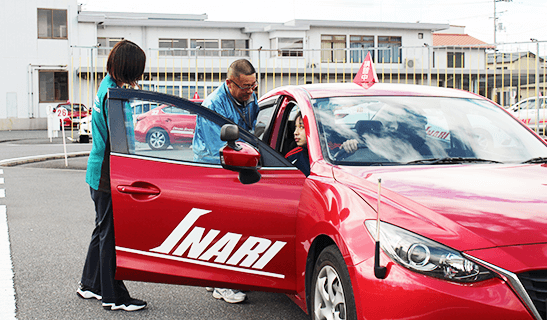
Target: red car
76 112
462 224
165 125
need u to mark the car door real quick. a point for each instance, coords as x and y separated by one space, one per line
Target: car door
181 221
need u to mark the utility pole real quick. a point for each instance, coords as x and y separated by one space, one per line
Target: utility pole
494 95
496 20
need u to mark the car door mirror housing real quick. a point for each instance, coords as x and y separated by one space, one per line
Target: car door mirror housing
239 156
230 133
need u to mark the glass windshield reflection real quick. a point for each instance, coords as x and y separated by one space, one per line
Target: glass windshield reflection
404 130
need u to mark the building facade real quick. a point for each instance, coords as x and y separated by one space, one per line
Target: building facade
57 52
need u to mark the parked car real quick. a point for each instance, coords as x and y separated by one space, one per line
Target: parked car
76 111
84 129
527 111
165 125
140 108
412 225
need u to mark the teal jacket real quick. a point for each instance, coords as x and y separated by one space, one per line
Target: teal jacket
98 164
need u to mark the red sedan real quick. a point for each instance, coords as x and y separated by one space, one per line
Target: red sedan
165 125
76 112
462 224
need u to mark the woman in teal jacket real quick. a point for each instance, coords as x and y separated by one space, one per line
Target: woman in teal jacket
125 65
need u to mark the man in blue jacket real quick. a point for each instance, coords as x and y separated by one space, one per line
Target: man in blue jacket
234 99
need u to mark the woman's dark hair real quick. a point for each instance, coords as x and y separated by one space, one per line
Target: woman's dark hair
126 62
298 115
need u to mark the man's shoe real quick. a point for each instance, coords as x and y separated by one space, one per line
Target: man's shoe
86 292
229 295
129 305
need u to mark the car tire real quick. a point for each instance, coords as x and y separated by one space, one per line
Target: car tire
331 291
157 139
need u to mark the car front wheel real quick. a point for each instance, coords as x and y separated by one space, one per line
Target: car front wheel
158 139
331 291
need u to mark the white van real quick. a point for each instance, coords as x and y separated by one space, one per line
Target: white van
526 110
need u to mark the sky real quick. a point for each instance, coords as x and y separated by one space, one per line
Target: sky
520 20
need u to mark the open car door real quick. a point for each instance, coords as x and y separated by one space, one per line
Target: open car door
185 222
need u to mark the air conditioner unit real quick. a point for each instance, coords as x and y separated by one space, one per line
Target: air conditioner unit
412 63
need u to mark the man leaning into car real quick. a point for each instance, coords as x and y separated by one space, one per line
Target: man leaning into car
234 99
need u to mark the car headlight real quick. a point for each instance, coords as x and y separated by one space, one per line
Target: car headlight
426 256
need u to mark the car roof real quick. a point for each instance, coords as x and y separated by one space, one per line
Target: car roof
325 90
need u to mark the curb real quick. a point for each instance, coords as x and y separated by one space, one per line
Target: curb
23 160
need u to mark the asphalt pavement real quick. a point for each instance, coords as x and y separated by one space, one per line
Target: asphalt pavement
36 137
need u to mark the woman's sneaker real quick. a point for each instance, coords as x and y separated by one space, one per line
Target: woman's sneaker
86 292
229 295
128 305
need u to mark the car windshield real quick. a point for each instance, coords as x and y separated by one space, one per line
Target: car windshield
74 107
421 130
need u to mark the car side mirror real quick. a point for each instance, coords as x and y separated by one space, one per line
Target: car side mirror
239 156
230 133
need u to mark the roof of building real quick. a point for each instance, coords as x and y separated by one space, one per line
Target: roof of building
200 20
452 39
511 57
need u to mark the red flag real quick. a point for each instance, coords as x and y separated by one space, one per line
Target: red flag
366 75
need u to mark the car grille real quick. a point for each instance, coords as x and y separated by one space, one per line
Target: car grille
535 283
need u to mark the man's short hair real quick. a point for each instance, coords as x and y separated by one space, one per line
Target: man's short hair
239 67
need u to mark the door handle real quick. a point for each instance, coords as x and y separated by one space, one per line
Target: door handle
138 190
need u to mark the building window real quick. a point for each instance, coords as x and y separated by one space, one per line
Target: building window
235 48
53 86
360 46
455 59
106 44
204 44
389 49
333 48
290 47
52 24
177 47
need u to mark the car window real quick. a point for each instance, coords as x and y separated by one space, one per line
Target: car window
264 119
153 135
402 130
156 137
175 110
73 107
287 141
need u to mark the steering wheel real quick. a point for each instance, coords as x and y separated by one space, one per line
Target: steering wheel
341 154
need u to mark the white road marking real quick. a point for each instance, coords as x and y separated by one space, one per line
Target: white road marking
2 193
7 291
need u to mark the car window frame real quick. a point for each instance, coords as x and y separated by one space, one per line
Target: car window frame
272 102
119 144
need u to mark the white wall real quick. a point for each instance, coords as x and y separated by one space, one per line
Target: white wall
23 55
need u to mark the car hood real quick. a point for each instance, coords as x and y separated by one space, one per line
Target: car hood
467 207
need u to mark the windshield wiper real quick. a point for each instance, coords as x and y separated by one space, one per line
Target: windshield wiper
537 160
450 160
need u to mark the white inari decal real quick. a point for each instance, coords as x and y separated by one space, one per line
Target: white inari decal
254 253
